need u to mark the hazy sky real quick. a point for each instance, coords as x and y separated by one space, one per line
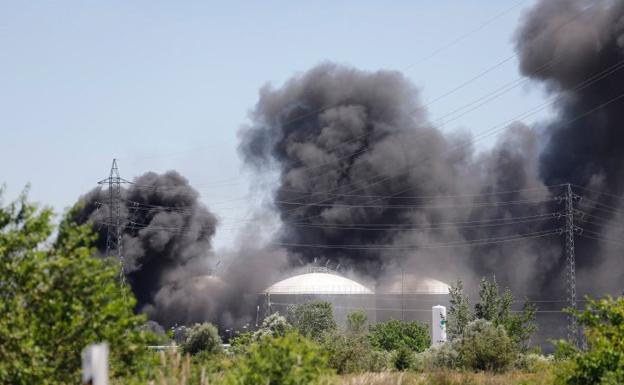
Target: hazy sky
166 84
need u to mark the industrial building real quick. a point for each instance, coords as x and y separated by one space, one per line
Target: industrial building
321 284
404 296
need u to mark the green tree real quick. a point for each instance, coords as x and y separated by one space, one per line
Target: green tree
485 346
489 300
459 314
285 360
312 319
202 338
603 362
494 307
349 350
393 334
56 299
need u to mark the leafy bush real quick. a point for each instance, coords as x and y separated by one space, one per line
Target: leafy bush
240 342
443 356
312 319
55 299
485 346
274 325
350 351
531 362
403 358
286 360
202 338
356 322
603 362
394 334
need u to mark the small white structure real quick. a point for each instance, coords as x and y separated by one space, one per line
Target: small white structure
438 325
95 364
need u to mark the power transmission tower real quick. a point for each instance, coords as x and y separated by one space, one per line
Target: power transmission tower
114 231
573 331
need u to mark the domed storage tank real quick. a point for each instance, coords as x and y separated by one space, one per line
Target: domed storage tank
320 284
409 297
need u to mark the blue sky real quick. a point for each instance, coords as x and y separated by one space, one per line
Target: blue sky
166 85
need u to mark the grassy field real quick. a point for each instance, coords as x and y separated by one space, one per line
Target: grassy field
449 377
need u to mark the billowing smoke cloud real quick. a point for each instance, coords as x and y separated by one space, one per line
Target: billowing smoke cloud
168 256
583 40
367 181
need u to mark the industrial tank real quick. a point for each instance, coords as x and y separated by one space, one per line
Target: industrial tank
320 284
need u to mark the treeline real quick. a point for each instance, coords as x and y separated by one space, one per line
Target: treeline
56 298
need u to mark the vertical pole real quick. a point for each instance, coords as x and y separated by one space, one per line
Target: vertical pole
571 266
402 299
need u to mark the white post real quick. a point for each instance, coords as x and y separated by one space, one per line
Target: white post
95 364
438 325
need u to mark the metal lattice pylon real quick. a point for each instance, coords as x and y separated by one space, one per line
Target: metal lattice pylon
573 331
114 233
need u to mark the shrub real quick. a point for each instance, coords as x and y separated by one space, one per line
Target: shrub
394 334
274 325
312 319
603 362
484 346
444 356
531 362
403 358
286 360
240 342
356 322
350 351
202 338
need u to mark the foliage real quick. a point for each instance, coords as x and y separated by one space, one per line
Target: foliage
459 314
202 338
274 325
485 346
285 360
564 350
55 299
350 351
312 319
603 362
493 307
393 334
403 358
443 356
356 322
240 342
532 362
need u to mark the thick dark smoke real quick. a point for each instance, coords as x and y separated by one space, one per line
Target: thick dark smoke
167 234
353 149
584 144
366 181
168 256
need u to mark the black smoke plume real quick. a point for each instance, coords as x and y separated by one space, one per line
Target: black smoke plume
354 149
360 166
365 180
580 40
168 257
